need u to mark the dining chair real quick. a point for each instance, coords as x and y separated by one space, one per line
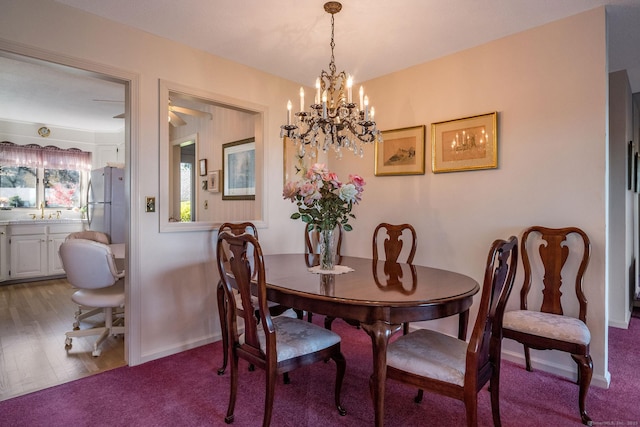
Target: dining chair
545 252
446 365
275 344
90 267
274 308
393 246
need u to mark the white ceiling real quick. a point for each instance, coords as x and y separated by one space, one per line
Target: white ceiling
290 38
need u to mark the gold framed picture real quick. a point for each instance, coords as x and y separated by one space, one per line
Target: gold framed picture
401 152
465 144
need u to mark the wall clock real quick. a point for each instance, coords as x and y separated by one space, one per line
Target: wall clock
44 132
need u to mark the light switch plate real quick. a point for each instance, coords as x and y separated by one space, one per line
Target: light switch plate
151 204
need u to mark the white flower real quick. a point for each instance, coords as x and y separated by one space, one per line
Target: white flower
348 193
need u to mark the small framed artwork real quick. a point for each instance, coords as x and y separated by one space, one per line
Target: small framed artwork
401 152
239 170
465 144
297 159
203 167
214 182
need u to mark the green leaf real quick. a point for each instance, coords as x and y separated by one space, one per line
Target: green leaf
295 215
347 227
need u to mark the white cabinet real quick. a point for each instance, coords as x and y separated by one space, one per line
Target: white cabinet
4 256
34 249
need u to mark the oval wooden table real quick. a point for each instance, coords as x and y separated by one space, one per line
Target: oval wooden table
381 296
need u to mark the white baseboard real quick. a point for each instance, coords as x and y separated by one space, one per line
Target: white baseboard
600 381
178 349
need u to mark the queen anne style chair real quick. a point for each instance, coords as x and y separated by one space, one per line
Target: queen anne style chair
551 328
274 309
449 366
392 248
90 267
278 344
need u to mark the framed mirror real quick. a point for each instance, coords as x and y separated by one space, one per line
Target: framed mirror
194 127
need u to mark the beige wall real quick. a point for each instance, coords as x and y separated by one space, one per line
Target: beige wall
548 85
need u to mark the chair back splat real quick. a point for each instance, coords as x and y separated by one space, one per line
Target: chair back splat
549 256
275 344
449 366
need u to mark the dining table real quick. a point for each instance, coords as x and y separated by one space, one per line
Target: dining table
381 296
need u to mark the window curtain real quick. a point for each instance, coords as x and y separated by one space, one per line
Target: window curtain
33 155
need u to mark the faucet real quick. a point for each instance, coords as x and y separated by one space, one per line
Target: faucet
41 210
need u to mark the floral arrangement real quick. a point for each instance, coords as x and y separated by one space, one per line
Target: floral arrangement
323 201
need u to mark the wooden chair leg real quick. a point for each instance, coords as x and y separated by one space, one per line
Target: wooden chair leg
585 371
527 358
419 396
494 388
471 406
269 396
341 367
405 328
222 310
328 321
234 389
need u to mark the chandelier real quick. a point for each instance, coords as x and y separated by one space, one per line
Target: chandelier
333 120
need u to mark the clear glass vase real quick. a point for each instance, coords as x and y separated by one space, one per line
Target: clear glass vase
327 249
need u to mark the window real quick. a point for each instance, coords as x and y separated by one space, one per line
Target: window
62 188
18 187
31 175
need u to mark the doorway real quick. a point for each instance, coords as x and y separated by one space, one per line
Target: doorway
48 72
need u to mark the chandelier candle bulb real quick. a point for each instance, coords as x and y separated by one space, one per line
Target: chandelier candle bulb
324 104
366 108
361 97
373 113
289 112
349 86
318 90
301 99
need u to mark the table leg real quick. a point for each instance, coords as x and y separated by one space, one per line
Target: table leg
380 333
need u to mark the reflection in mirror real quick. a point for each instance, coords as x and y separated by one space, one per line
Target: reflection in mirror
182 178
194 127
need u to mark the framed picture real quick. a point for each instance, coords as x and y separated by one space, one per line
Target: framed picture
465 144
296 161
203 167
239 170
401 152
214 182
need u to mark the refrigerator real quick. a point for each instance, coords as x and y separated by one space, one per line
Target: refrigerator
106 203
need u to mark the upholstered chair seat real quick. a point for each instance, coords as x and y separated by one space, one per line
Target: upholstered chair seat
548 325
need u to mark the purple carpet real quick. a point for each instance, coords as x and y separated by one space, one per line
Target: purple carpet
184 390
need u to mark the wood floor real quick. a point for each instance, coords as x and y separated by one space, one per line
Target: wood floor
33 319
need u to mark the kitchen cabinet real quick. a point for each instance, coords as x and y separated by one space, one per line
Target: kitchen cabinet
34 249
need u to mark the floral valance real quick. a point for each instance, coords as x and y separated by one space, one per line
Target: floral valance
33 155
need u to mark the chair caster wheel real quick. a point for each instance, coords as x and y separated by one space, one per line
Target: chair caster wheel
67 343
96 353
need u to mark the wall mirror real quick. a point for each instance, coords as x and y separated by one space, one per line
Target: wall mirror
194 127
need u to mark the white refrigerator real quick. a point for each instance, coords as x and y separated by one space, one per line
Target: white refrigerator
106 203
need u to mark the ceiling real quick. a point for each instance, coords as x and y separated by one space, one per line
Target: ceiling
290 38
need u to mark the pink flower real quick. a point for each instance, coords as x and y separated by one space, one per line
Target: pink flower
290 190
358 181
